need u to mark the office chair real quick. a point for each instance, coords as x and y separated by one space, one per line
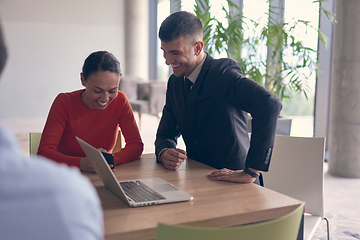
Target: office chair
284 228
296 170
144 96
34 141
118 144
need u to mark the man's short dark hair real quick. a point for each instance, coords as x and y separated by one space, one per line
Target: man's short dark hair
180 23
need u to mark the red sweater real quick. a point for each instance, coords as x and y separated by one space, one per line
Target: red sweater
69 117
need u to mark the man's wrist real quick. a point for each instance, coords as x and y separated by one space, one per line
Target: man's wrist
252 172
161 152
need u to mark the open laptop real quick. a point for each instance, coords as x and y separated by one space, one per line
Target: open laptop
138 192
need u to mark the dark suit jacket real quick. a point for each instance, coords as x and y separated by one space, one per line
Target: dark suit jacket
212 118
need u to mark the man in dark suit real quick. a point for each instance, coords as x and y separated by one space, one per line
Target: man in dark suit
207 102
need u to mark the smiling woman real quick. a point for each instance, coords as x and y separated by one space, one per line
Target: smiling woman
93 114
101 89
100 76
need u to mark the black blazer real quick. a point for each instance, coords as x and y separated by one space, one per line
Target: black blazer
212 118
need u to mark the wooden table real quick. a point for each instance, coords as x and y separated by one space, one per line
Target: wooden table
215 203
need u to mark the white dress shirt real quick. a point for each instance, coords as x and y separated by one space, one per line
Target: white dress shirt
193 76
40 199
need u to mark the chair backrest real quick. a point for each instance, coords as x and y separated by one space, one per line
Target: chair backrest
296 170
34 141
283 126
118 144
157 95
129 85
284 228
143 91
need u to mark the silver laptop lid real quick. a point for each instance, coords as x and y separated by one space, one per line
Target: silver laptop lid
102 168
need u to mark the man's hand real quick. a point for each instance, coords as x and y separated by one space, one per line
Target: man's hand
172 158
238 176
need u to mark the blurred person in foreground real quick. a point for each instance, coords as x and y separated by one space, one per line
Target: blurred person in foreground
40 199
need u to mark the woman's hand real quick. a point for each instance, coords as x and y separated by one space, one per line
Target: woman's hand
103 150
85 165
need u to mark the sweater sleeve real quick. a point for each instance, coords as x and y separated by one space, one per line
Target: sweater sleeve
52 133
133 142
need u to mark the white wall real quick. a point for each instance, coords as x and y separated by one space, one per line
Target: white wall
48 41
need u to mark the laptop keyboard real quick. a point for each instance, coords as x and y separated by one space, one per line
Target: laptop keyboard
139 192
